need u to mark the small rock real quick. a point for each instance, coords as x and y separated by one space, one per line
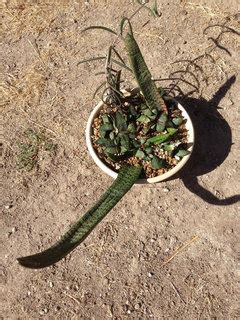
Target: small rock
150 274
128 311
137 306
14 229
28 293
41 312
8 206
166 189
45 310
50 284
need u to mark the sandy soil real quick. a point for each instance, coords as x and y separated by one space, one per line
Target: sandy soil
167 251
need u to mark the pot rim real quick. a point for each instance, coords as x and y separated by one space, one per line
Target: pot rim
162 177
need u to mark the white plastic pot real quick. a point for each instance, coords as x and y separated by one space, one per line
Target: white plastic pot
112 173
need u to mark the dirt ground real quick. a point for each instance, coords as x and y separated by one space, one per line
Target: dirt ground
166 251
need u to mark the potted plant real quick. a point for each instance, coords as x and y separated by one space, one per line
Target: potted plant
137 135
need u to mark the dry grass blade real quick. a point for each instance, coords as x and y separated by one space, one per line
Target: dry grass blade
101 28
98 88
180 250
118 55
122 65
91 59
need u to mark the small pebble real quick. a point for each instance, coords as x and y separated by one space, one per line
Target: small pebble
150 274
137 306
14 229
50 284
128 311
29 293
8 206
166 189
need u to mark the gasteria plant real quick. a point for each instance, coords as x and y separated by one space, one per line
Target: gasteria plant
138 133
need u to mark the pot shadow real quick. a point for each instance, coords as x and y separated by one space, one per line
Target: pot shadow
213 141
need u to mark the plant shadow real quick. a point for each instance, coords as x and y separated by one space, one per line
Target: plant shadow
213 141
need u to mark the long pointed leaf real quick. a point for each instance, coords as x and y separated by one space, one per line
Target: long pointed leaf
143 75
80 230
124 19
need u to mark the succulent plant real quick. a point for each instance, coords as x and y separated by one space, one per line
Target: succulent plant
138 124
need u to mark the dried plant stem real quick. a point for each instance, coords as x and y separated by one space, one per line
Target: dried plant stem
180 250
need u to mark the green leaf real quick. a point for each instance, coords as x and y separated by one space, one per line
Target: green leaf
132 110
182 153
158 138
143 119
172 131
140 154
105 118
147 112
168 147
143 106
124 19
161 137
132 127
142 140
121 121
105 142
148 150
169 124
125 143
162 122
177 121
83 227
143 76
157 163
100 27
112 150
106 127
136 143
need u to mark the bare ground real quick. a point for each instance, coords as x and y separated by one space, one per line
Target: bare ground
167 251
